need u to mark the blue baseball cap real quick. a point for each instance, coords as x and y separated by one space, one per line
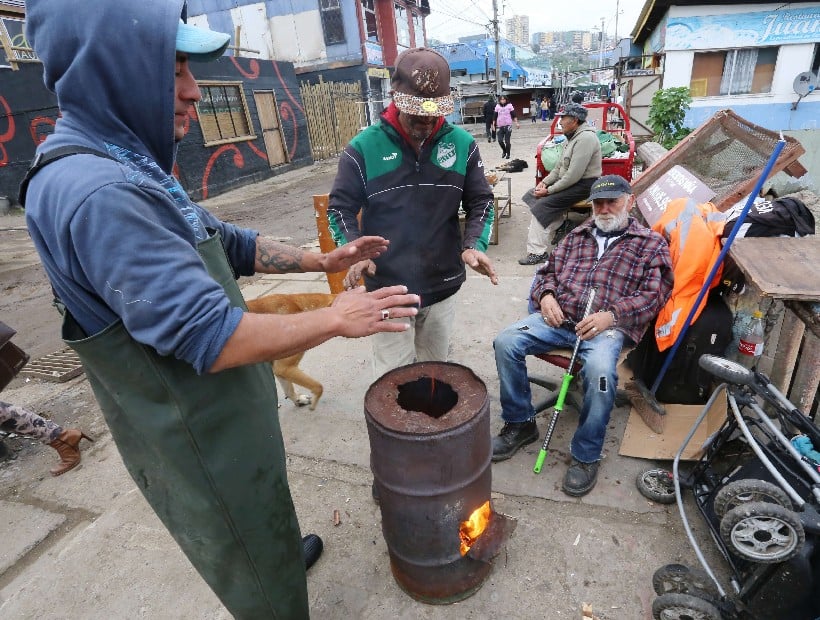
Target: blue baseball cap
201 44
609 186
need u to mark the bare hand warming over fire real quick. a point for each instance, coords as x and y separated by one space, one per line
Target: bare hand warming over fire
480 262
367 313
355 273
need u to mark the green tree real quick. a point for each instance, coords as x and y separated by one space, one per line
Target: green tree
666 114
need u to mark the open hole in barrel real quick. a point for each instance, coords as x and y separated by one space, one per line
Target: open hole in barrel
428 396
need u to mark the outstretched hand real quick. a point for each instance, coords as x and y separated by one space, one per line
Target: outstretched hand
367 313
355 273
480 262
363 248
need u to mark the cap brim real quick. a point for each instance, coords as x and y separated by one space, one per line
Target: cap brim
201 44
607 194
423 106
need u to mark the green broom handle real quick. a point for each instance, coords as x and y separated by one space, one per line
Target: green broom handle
559 406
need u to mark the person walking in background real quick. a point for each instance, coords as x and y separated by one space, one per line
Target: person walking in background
148 279
631 270
545 108
489 116
566 184
66 442
408 175
535 109
504 118
553 106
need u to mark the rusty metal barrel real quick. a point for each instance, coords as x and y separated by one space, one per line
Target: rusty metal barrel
430 452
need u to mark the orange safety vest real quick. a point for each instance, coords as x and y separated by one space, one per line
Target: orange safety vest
693 233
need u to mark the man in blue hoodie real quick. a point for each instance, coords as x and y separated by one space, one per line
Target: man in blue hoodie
148 282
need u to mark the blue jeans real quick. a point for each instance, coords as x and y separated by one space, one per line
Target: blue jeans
600 379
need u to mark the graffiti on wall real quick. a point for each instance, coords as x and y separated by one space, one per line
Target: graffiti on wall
28 113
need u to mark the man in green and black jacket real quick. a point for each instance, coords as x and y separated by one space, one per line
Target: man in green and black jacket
408 175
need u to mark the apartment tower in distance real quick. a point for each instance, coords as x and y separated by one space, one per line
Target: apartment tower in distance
518 30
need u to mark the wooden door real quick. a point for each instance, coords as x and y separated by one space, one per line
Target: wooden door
271 127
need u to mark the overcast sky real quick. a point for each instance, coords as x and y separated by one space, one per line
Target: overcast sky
450 19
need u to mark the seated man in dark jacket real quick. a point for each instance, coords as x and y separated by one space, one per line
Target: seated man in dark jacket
630 268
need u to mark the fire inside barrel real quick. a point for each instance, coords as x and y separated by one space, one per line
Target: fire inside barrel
474 527
430 452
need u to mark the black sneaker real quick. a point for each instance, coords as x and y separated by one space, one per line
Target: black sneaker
533 259
312 546
512 437
580 478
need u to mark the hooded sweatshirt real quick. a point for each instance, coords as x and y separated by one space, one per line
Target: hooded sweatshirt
118 237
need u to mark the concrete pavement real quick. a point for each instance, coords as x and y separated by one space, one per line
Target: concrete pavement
86 545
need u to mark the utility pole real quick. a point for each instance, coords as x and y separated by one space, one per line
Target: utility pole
497 54
601 46
617 10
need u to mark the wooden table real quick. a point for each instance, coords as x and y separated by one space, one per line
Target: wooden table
788 269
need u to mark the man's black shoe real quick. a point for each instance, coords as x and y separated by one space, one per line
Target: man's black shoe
580 478
312 546
533 259
513 436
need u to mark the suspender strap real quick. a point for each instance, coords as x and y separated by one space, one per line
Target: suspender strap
43 159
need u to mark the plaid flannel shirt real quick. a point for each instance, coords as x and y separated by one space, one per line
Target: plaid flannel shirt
633 278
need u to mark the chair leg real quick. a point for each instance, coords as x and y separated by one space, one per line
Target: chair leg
551 397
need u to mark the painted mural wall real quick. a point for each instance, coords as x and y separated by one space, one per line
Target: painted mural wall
793 30
28 112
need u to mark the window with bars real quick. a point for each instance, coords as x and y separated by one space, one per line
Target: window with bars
332 24
418 30
402 26
371 27
223 112
733 72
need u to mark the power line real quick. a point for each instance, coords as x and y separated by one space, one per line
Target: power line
457 13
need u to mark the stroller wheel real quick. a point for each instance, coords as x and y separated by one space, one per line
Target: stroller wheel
656 484
675 606
748 490
680 579
727 370
762 532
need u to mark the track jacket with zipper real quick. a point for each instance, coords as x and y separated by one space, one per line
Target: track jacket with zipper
413 201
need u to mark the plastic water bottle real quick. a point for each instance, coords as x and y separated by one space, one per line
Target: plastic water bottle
750 347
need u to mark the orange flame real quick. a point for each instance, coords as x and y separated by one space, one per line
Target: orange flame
473 527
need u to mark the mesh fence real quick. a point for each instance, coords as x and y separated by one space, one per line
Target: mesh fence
728 154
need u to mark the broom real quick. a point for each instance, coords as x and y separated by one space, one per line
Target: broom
562 394
642 398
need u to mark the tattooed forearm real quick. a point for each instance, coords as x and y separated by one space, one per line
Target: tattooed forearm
275 257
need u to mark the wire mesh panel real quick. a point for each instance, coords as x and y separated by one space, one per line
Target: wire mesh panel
728 154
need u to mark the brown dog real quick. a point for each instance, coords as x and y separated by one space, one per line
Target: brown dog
287 369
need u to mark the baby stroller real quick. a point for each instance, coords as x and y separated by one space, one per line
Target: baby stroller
759 496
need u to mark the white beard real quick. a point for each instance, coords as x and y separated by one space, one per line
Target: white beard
608 223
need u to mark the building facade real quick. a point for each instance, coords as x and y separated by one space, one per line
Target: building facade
331 40
751 57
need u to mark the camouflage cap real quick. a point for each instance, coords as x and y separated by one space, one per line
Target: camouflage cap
421 83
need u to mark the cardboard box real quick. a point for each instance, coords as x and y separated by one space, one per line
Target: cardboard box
642 442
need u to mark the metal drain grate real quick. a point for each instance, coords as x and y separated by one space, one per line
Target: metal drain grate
57 367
